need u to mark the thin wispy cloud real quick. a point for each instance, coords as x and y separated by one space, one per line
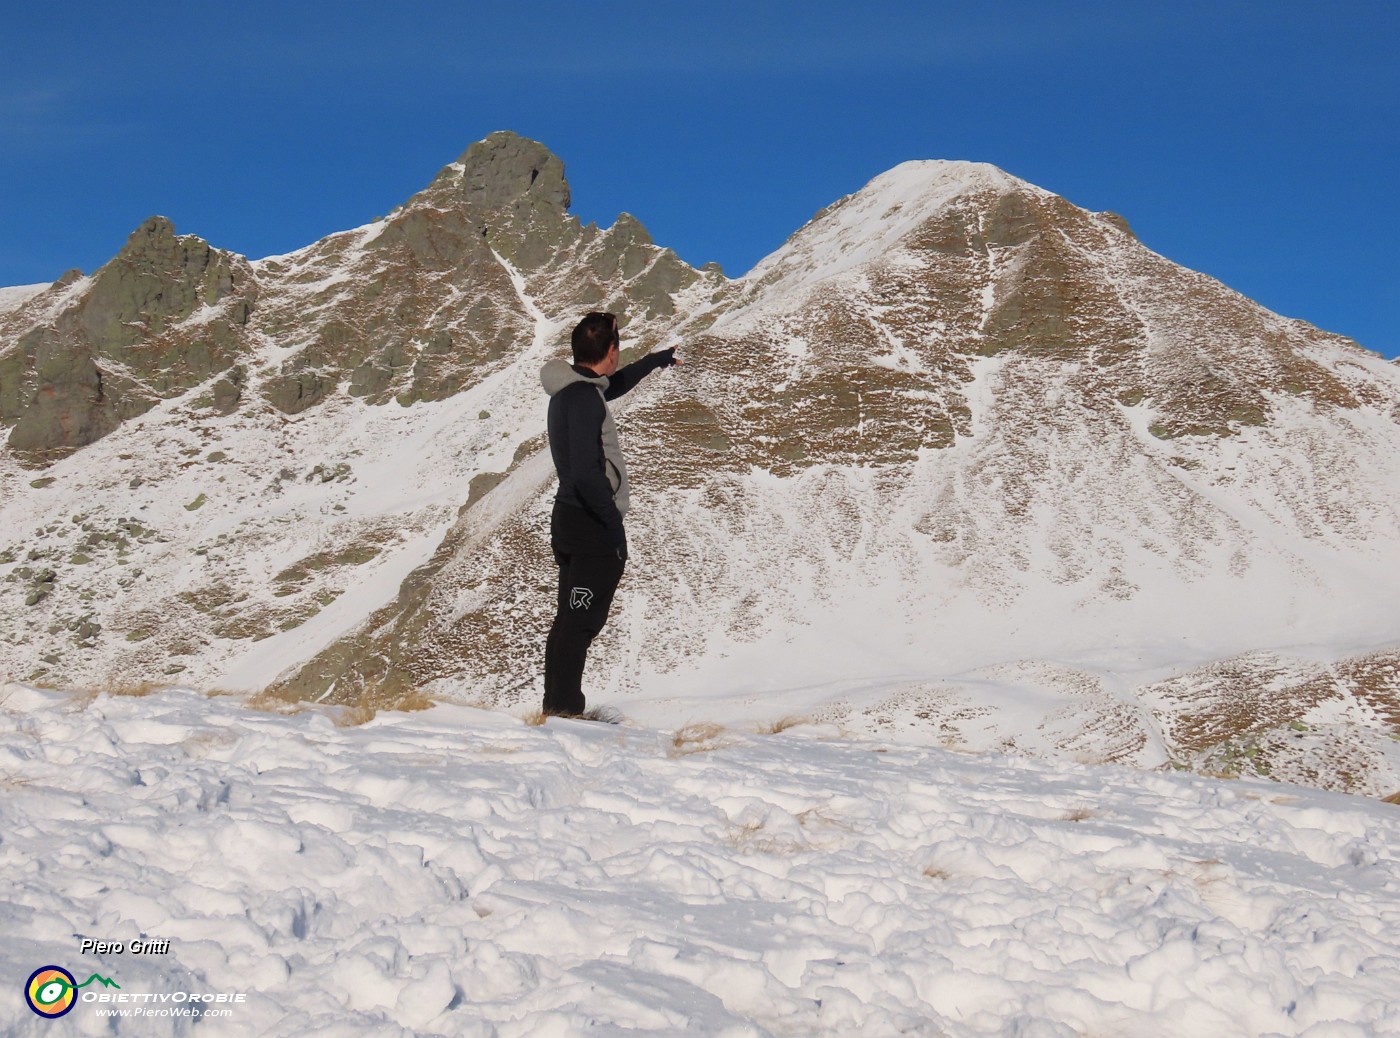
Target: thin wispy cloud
718 40
40 120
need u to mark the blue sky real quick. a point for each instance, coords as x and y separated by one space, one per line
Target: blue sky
1254 141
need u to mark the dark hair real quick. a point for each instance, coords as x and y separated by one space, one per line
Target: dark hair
594 336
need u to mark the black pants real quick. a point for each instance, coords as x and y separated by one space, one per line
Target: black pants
586 587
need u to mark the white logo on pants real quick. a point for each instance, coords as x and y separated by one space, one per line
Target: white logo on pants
580 598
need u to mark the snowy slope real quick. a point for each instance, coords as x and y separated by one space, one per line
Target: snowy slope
456 872
17 295
867 227
341 502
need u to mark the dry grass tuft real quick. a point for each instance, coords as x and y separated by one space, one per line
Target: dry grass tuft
741 832
415 701
535 718
781 725
82 698
79 699
1079 814
1394 798
137 689
216 693
345 715
352 715
272 703
696 738
934 872
751 838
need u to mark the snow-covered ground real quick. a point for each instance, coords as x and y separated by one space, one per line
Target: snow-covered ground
458 872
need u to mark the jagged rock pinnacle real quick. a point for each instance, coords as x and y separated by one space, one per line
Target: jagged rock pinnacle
506 167
156 234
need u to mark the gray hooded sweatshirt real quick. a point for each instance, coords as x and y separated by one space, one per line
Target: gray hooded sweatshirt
583 437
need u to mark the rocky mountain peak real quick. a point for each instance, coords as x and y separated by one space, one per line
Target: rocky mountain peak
157 277
156 234
502 170
504 167
453 283
111 352
505 191
869 224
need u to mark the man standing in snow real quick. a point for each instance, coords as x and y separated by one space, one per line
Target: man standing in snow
586 530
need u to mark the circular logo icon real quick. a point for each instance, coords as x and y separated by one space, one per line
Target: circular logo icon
50 991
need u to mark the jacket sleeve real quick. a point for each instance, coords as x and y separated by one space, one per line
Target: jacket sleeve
584 415
623 380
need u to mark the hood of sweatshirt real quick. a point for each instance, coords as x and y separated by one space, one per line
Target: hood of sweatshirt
559 373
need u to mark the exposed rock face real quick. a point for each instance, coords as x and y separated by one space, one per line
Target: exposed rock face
157 280
126 342
410 309
430 306
506 170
